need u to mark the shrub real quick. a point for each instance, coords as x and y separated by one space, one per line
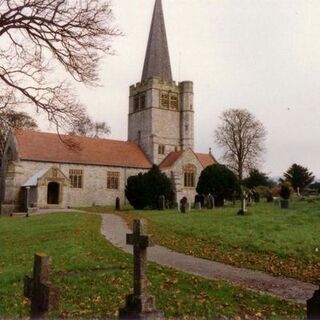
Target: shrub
144 190
219 181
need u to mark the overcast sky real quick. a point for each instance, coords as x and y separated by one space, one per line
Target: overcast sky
263 55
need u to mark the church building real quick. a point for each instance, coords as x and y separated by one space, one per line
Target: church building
41 171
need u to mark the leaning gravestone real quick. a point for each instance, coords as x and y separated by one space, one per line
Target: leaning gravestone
161 203
313 306
140 305
184 205
39 290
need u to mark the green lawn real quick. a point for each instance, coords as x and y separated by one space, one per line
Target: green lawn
94 276
281 242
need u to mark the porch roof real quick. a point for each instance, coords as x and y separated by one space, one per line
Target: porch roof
33 181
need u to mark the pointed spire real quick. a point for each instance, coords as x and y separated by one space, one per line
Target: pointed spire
157 60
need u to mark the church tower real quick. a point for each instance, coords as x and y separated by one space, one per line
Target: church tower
161 116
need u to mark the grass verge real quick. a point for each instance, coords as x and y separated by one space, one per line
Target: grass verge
277 241
94 277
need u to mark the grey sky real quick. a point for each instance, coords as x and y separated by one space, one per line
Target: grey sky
263 55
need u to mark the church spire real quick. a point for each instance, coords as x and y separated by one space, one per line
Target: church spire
157 60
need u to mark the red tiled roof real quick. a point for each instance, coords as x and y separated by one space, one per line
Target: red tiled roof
206 159
42 146
171 158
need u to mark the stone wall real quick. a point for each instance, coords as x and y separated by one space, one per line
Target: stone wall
155 125
177 174
94 189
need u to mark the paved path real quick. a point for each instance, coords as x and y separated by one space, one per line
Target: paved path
114 229
46 211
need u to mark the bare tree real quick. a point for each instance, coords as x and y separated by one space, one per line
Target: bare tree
39 35
12 120
241 136
87 127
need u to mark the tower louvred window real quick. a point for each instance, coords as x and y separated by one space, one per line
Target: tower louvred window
165 100
174 102
136 104
142 101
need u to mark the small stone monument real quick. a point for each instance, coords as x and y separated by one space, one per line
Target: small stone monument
162 203
243 211
313 306
184 205
197 205
256 196
197 202
118 208
39 290
139 305
209 200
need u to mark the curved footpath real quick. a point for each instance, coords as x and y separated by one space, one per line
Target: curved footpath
115 229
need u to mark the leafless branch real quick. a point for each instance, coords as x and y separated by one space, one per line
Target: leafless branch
38 33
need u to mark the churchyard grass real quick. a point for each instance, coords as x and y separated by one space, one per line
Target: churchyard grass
94 277
277 241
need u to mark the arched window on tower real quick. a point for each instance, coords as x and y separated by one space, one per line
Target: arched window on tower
189 176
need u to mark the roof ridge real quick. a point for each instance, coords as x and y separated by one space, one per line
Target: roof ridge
74 136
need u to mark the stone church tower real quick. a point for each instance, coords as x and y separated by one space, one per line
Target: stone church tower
161 116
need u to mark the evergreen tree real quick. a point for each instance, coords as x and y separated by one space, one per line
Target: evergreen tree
144 190
299 176
256 179
220 182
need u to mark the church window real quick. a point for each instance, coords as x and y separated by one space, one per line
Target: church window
189 176
161 149
165 100
174 102
113 180
76 178
136 104
142 101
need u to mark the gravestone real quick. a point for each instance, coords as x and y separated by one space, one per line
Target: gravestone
256 197
140 305
161 203
197 205
184 205
313 306
118 208
197 202
39 290
243 211
209 201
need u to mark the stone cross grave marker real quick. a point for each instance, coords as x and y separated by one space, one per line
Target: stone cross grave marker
313 306
39 290
139 305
